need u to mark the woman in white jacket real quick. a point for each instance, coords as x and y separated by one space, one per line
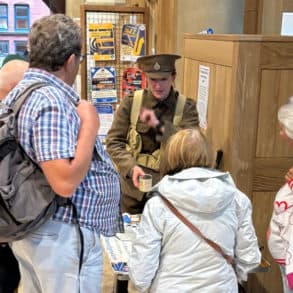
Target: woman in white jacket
166 255
280 232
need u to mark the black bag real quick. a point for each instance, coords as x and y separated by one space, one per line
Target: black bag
26 198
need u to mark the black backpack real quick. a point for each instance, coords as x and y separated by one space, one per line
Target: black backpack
26 198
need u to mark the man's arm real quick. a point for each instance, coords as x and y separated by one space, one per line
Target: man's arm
64 175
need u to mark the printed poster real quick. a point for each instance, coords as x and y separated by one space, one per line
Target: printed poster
106 114
203 94
133 79
103 82
132 42
101 41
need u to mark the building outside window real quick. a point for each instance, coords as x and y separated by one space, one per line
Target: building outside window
22 17
16 18
3 17
4 48
20 47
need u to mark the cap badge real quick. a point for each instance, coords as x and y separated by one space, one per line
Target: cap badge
157 66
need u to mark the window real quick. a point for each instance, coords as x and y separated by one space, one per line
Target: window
3 17
21 17
20 47
4 48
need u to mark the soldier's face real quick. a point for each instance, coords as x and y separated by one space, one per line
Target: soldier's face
160 87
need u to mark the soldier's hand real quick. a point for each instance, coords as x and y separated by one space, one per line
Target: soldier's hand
149 117
136 172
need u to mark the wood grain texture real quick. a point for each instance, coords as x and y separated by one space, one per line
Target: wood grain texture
166 23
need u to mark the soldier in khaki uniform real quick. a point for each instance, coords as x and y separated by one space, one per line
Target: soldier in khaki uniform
141 128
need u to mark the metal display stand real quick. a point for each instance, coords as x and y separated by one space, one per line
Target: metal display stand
117 15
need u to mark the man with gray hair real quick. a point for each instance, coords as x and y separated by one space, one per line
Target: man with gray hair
58 131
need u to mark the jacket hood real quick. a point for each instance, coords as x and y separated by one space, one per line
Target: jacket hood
198 190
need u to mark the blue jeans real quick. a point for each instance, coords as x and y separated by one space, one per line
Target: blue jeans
49 260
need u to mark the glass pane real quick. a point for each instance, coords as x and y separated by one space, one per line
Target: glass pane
3 47
20 46
3 10
21 24
3 23
21 11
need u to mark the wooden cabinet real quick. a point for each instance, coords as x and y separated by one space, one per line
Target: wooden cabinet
250 77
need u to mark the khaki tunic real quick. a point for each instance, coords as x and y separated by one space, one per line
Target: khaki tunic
133 200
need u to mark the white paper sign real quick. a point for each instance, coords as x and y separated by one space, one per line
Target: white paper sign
287 24
106 114
203 94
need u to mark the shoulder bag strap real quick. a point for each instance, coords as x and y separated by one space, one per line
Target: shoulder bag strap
228 258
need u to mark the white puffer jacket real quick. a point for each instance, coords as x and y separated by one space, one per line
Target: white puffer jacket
168 257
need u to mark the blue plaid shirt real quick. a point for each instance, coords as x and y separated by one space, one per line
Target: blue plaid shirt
48 126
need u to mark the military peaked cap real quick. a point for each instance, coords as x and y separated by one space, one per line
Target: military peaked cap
158 65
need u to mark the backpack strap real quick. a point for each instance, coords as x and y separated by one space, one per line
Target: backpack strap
61 201
136 103
179 110
22 97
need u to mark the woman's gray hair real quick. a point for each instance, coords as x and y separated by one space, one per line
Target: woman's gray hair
52 39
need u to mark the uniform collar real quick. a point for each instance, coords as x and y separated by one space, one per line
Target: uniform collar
151 102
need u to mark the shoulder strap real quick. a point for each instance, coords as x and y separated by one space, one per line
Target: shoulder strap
179 110
196 230
136 103
22 96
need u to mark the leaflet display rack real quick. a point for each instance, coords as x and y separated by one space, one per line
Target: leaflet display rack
118 16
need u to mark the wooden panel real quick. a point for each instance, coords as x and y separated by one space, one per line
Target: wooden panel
190 78
166 23
270 282
220 105
250 22
251 5
217 52
277 55
287 5
269 173
271 20
250 19
246 81
276 87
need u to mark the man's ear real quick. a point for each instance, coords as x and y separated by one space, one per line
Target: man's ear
70 62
